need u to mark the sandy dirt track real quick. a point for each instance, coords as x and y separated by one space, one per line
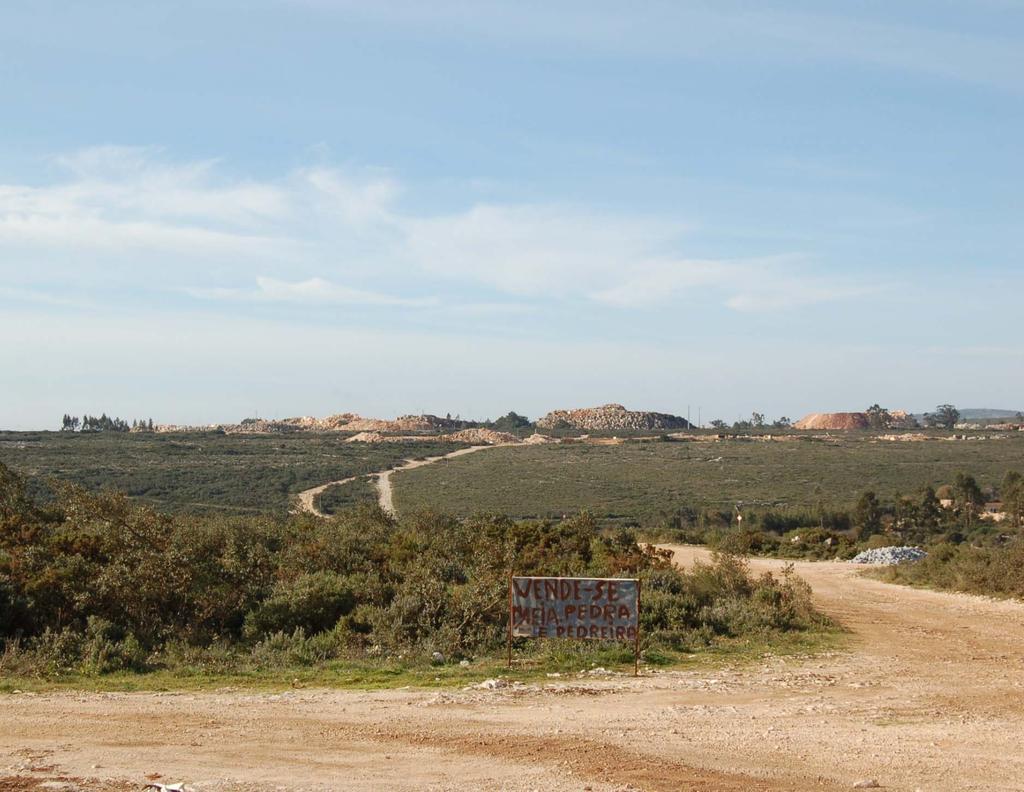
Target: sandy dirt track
307 499
385 491
930 697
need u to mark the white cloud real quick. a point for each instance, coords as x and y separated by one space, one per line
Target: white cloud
553 251
314 291
773 296
331 236
658 281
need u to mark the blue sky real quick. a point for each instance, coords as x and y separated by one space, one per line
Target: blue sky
213 209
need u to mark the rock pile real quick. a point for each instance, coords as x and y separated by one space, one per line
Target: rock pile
842 420
611 418
893 419
375 437
471 436
479 437
342 422
404 423
889 556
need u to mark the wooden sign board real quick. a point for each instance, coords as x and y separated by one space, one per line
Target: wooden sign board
602 609
593 608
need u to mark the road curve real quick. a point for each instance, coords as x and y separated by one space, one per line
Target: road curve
307 499
385 492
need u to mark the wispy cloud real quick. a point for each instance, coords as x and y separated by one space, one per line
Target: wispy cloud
327 236
314 291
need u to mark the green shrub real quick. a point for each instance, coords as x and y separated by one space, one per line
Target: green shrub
991 570
311 603
100 584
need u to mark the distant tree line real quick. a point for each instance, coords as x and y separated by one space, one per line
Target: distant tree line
952 514
756 421
104 423
946 416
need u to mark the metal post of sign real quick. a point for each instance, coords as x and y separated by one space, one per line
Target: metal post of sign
510 620
636 646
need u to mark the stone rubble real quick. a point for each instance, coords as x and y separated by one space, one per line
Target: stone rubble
611 417
889 556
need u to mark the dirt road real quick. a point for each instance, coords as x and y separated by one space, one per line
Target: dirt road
386 493
307 499
930 697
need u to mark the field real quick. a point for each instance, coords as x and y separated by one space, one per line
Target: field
638 481
202 473
633 481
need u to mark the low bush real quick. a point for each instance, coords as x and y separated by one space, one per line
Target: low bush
991 570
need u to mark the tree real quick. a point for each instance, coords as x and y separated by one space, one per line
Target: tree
757 420
945 415
929 514
718 423
1012 494
782 423
867 515
511 422
878 416
967 496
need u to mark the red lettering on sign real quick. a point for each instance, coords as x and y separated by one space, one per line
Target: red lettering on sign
522 587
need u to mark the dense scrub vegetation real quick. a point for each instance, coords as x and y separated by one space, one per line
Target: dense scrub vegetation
641 483
968 549
201 473
952 515
341 497
993 570
97 583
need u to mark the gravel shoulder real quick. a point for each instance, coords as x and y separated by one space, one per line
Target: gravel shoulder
930 696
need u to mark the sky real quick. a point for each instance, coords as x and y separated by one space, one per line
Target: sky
220 209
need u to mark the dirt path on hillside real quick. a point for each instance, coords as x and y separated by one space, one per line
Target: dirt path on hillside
307 499
385 492
929 696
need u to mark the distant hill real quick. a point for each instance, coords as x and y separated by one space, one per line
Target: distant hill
981 414
985 413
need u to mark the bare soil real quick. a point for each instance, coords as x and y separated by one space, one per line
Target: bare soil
930 696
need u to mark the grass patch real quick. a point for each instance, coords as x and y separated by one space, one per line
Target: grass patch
643 481
201 473
534 667
339 497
